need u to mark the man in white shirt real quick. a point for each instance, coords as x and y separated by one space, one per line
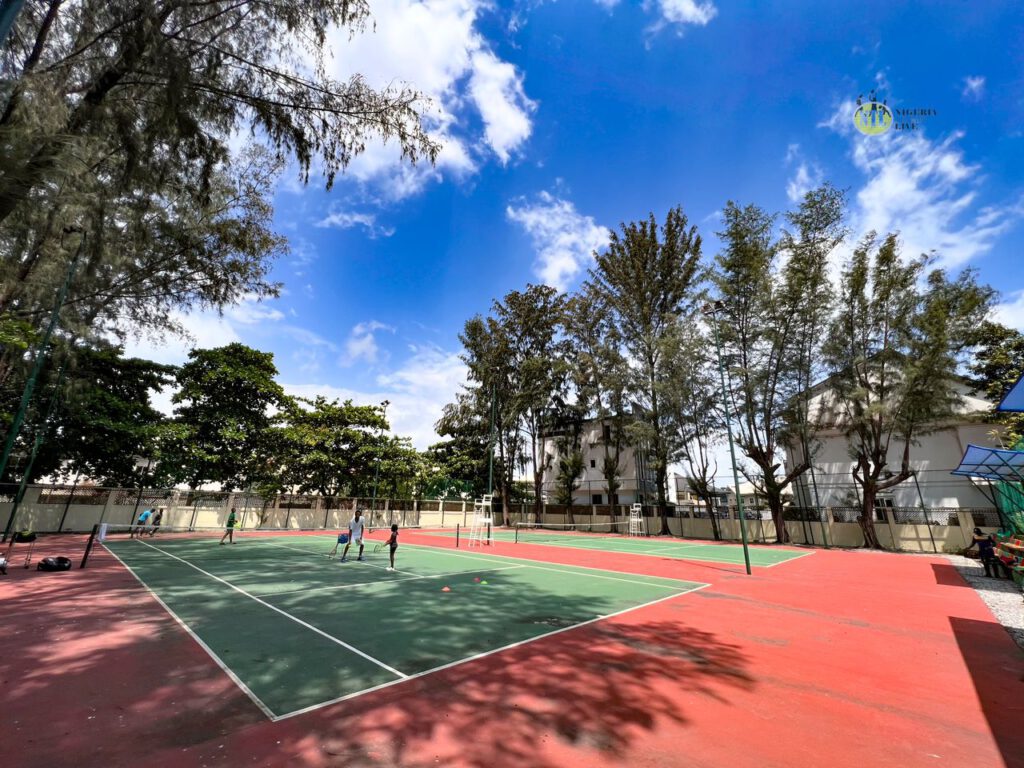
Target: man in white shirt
355 535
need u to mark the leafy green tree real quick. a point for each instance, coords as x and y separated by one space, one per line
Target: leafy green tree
107 419
570 469
116 122
329 445
531 323
458 465
516 365
172 77
894 350
648 282
601 378
226 402
997 365
772 317
691 394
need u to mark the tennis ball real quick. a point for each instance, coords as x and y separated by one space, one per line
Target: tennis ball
483 582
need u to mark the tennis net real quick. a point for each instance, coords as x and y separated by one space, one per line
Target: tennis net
114 533
539 533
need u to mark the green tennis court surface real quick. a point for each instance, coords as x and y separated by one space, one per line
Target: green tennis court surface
649 545
298 630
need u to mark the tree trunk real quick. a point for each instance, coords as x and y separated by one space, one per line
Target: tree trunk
775 505
715 531
867 517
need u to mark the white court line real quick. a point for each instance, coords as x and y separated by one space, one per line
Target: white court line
216 659
484 654
287 615
650 552
394 581
532 564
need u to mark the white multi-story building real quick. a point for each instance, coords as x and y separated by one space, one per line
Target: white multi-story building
933 455
637 479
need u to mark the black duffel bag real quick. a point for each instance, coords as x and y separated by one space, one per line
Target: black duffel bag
54 564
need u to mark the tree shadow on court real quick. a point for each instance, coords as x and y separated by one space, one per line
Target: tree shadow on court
997 671
94 672
599 689
93 668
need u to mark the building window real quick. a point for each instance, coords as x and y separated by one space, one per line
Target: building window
595 498
606 433
593 464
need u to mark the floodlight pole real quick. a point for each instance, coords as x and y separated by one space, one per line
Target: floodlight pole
711 311
490 447
41 356
376 471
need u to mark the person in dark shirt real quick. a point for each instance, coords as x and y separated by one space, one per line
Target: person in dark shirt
987 551
393 544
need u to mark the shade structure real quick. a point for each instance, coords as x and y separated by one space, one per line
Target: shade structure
992 464
1014 399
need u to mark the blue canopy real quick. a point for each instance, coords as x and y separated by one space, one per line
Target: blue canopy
1014 400
992 464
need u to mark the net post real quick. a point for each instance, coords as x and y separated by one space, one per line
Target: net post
517 533
489 534
88 546
456 535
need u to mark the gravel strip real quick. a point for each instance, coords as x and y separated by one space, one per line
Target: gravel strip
1002 596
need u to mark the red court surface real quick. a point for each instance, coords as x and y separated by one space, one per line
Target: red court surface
840 659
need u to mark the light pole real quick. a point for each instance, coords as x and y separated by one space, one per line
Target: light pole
711 311
376 472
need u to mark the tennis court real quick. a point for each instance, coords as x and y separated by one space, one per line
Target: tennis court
610 538
297 630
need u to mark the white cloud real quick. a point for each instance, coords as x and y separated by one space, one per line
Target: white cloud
362 343
806 177
563 238
434 47
923 189
687 11
348 219
417 392
497 90
252 312
974 88
1011 313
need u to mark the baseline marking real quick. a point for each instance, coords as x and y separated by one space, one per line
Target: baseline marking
216 659
287 615
484 654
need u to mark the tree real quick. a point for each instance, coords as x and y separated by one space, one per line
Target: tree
531 323
225 408
516 361
771 321
997 365
107 420
601 379
648 283
116 121
486 407
330 445
177 77
692 400
894 350
457 466
570 467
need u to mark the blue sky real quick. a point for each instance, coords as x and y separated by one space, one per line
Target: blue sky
562 119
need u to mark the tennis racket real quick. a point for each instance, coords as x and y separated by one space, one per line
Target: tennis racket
379 546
